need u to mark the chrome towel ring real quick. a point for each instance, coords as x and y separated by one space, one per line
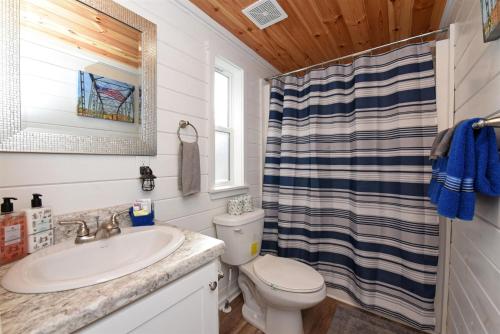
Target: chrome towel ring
182 125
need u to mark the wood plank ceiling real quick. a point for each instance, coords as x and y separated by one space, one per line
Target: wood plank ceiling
319 30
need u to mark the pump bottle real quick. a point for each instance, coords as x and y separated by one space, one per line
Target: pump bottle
39 225
13 233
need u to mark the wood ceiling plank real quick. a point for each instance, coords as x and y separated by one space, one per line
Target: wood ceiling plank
405 21
287 35
300 42
331 17
354 14
325 36
314 29
319 30
246 30
422 12
289 49
294 45
394 14
378 21
252 36
437 13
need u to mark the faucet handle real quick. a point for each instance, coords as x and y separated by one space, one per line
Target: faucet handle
82 230
115 215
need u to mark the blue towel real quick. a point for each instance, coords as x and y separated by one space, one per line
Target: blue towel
453 191
438 178
488 163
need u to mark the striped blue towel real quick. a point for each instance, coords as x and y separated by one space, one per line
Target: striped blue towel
452 184
487 163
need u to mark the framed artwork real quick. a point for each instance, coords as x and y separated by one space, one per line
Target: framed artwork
104 98
490 10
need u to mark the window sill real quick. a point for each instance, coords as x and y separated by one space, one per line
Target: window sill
228 191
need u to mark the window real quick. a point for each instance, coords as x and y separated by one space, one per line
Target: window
228 148
222 127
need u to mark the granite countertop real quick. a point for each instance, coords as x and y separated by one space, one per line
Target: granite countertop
67 311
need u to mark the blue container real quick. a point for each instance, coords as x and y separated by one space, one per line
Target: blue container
141 220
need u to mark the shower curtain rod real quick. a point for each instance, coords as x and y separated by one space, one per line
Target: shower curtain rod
352 55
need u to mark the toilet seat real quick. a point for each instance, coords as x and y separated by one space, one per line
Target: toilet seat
287 274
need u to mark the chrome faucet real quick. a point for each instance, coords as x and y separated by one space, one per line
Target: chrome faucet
103 231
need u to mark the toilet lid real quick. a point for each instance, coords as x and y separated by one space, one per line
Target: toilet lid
287 274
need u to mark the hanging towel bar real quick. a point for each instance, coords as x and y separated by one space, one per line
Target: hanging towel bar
488 121
182 125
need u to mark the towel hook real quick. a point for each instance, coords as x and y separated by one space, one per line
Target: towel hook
184 124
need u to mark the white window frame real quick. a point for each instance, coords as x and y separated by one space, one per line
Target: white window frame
236 184
228 130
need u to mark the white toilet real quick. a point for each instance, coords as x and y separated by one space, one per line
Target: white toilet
275 289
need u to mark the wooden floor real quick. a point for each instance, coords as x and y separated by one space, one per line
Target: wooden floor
316 320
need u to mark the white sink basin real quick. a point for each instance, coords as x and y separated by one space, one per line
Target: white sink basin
68 266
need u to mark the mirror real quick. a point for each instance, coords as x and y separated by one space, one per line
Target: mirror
86 79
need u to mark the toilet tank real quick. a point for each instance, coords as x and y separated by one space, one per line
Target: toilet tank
242 235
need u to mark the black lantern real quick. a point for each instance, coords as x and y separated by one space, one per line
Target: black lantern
147 178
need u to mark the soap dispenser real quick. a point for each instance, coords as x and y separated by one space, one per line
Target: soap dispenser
13 234
39 225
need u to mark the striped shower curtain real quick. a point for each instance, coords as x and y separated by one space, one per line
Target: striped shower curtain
345 179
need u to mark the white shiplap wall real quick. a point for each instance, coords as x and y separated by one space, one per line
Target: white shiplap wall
188 41
474 288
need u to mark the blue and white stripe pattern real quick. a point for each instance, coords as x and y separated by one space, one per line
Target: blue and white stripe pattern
345 180
457 184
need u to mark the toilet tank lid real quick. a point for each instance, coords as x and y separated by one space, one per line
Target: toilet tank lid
233 220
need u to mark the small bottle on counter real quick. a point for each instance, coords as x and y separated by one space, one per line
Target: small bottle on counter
39 225
13 234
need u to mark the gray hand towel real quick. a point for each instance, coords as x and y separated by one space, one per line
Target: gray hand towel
442 142
437 142
189 168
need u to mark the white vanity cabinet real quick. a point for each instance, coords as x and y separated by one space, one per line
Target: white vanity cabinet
186 306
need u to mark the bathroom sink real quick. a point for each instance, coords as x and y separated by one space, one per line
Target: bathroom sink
68 266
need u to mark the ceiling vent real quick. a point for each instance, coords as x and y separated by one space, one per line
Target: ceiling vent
265 13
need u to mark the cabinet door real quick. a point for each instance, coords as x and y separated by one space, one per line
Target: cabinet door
186 306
